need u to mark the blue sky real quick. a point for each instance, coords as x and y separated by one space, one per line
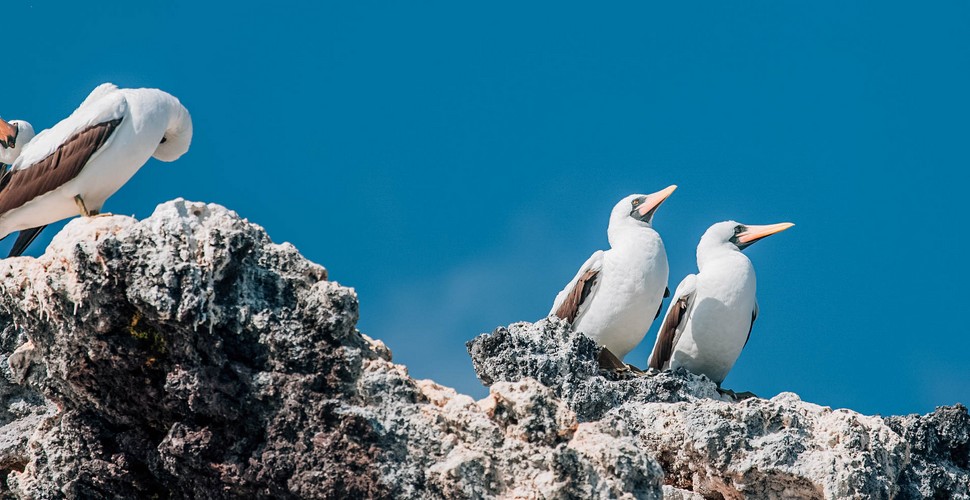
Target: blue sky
457 163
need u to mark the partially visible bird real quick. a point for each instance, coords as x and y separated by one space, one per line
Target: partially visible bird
13 136
74 166
711 314
618 293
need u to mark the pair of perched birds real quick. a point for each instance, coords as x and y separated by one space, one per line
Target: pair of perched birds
618 293
74 166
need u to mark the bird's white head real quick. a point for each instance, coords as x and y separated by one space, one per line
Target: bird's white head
178 134
635 212
14 135
731 236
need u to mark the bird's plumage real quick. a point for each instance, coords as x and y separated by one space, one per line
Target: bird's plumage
712 313
575 299
89 155
673 323
616 293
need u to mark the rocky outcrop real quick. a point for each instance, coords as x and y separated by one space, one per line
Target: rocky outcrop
188 356
715 447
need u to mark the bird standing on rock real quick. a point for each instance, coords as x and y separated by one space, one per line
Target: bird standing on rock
711 314
618 293
74 166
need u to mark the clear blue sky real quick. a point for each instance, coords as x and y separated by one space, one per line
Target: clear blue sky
456 164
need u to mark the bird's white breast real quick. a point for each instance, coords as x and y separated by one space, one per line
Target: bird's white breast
631 288
719 319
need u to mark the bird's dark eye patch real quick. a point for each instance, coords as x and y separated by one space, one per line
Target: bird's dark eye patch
164 140
636 202
738 229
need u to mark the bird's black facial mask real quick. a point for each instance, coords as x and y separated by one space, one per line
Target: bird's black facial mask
738 230
637 203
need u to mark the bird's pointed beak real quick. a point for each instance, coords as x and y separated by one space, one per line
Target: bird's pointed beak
755 233
654 200
8 134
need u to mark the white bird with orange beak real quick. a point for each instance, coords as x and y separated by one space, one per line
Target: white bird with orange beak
711 314
618 293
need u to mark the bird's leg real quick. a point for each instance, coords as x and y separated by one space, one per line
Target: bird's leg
84 209
80 206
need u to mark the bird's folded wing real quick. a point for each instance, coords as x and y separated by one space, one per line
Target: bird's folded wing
673 323
62 165
573 299
100 91
754 316
96 110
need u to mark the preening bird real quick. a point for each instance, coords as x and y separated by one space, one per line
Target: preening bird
711 314
74 166
618 293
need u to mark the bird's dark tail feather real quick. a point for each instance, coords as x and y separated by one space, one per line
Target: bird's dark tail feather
24 239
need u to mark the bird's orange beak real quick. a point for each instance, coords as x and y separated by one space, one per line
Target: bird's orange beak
755 233
654 200
8 134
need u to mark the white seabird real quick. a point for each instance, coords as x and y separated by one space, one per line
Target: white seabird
74 166
618 293
711 314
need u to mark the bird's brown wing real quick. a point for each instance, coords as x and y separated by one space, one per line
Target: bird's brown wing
680 306
660 308
754 316
665 338
569 309
65 163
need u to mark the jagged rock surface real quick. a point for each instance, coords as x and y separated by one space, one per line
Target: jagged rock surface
714 447
550 352
187 356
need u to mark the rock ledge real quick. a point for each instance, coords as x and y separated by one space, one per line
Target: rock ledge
188 356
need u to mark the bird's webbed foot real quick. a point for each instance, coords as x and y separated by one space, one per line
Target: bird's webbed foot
609 362
737 396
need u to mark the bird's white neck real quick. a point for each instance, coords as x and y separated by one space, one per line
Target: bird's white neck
630 235
708 251
639 244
